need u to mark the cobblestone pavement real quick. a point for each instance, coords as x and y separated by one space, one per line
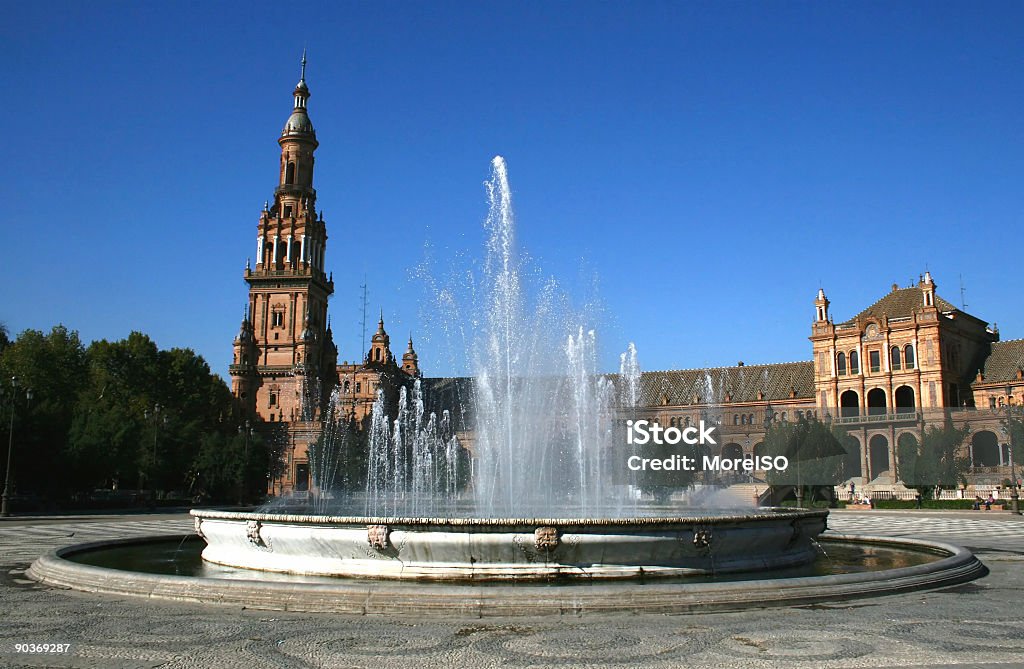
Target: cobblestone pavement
971 625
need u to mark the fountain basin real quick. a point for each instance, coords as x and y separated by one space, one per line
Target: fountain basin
913 564
471 549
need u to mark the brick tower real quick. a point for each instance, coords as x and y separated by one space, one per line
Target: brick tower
284 357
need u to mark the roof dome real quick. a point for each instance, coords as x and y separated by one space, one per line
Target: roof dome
298 122
380 335
244 332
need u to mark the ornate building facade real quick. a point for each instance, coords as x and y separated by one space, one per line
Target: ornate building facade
909 360
285 364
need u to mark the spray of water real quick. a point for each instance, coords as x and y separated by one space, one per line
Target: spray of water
541 432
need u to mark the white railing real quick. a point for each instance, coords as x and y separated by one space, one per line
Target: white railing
843 494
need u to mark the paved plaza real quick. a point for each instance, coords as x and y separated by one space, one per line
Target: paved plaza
972 625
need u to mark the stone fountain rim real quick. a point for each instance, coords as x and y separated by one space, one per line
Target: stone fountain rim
764 513
368 596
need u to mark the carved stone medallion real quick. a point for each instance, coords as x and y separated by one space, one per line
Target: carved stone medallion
252 531
378 536
546 538
702 539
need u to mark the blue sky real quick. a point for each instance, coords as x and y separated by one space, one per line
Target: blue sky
712 163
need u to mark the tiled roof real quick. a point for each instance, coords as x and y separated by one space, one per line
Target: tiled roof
899 303
742 384
1004 361
709 386
454 394
447 388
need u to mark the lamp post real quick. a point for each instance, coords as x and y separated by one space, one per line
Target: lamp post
5 510
246 431
157 409
750 474
1008 433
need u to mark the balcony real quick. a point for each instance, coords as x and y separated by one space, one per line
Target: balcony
899 417
295 188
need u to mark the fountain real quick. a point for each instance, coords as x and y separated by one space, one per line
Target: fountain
543 502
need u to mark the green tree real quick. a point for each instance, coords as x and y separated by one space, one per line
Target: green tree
112 426
194 403
53 365
142 420
937 461
125 414
230 467
5 337
817 457
103 443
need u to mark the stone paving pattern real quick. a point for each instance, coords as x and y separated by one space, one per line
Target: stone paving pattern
971 625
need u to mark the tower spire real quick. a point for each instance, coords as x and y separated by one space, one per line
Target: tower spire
410 361
301 94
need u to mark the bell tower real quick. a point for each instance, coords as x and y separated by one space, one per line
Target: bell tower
284 357
380 346
411 361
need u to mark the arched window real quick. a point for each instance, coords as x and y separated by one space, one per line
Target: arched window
841 364
732 452
904 399
854 362
348 387
376 354
672 422
908 356
750 419
985 449
878 455
849 403
894 357
289 173
359 387
735 419
876 402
